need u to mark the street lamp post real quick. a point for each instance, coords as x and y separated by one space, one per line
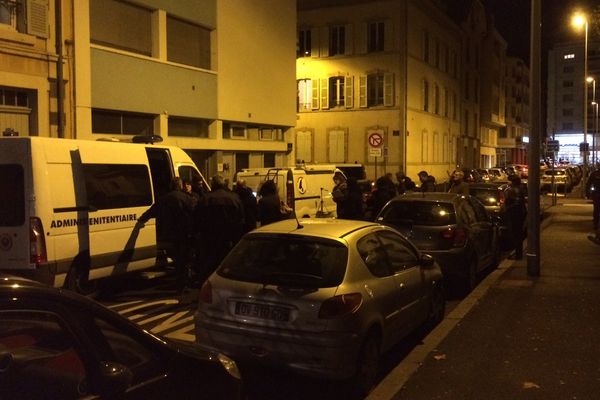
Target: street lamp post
580 20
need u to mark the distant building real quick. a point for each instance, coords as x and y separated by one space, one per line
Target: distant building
566 83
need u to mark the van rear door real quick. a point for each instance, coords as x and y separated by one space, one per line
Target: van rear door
15 190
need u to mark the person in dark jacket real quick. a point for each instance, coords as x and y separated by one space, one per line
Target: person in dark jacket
250 205
270 207
458 184
379 197
593 189
427 182
515 207
221 217
173 213
348 197
339 193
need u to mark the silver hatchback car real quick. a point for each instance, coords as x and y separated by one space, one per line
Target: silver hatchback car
324 297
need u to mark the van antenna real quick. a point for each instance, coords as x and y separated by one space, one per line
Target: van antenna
298 224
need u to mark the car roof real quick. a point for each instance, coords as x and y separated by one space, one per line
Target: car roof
319 227
489 186
428 197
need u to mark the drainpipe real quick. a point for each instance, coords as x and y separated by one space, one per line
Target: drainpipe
60 87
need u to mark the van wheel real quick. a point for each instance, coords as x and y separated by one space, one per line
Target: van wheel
78 281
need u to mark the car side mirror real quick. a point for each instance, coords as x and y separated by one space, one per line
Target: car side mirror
426 260
115 379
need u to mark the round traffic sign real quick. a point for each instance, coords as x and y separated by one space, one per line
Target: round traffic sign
375 139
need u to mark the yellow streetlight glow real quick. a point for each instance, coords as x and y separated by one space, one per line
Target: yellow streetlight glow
578 21
589 79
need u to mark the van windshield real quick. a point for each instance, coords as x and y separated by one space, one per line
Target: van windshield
12 195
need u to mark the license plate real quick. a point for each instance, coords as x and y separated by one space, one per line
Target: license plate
262 311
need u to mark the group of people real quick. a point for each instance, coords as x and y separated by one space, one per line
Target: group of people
196 227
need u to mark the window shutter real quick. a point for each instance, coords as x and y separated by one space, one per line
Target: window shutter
337 143
314 83
324 41
314 42
388 89
388 36
362 83
303 146
37 18
349 89
324 94
361 38
349 45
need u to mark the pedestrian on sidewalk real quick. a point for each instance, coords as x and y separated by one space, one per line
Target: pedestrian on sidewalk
458 184
593 190
515 211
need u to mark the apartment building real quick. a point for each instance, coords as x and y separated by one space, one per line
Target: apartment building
566 86
213 77
514 137
30 97
376 89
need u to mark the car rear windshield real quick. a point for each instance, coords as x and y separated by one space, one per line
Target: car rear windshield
487 196
12 195
419 213
286 260
555 172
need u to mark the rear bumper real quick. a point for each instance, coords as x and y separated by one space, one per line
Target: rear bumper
330 355
453 262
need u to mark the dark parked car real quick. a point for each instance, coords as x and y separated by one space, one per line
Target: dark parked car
55 344
492 196
456 230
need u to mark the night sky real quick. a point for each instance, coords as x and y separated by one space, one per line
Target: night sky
513 22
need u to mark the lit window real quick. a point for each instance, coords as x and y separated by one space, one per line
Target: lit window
336 91
568 56
304 95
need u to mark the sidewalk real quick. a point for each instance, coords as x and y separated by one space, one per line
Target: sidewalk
517 337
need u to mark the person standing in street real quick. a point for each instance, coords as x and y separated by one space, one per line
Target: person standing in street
516 214
173 213
220 214
593 190
427 182
270 206
250 205
457 183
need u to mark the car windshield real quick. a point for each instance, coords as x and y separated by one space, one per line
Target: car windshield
287 260
419 213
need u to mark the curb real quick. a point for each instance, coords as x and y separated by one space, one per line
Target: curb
395 380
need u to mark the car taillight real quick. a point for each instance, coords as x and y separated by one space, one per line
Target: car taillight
37 242
458 236
340 305
290 198
205 295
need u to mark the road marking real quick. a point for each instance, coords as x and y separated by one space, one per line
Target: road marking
124 304
173 321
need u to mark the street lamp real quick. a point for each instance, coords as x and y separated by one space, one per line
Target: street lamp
578 21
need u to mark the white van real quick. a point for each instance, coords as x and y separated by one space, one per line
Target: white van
306 188
69 207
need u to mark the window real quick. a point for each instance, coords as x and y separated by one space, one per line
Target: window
188 43
122 123
399 254
190 174
12 212
242 161
425 94
111 186
467 122
568 69
188 127
375 90
30 17
425 48
567 83
454 108
425 147
304 146
304 43
337 40
231 131
436 53
436 99
375 36
269 160
270 133
446 100
337 146
13 97
121 25
305 92
371 251
336 91
420 213
42 351
569 56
